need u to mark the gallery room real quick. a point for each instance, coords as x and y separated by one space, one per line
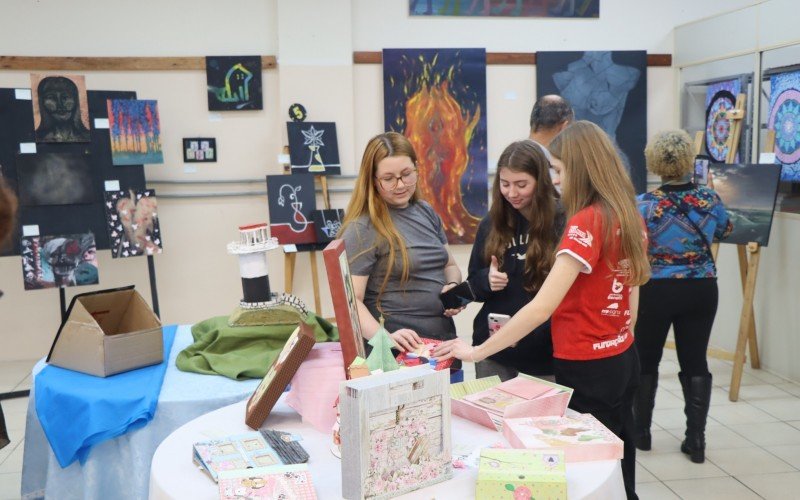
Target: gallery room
399 248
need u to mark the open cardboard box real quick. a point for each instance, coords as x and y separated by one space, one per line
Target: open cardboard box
108 332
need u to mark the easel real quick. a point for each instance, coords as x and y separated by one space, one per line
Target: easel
290 259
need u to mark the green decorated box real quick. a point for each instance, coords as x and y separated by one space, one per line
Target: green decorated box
521 475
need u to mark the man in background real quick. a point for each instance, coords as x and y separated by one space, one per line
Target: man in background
550 115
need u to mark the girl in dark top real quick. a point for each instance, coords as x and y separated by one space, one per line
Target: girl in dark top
682 219
513 252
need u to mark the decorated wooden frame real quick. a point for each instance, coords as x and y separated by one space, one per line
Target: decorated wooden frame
294 352
343 296
395 430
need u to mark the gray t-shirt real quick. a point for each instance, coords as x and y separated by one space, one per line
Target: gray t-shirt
416 303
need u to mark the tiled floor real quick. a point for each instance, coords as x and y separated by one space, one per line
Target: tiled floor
753 445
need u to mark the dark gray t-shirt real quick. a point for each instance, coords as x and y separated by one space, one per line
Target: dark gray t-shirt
416 303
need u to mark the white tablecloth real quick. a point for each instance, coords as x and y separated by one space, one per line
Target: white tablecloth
174 476
119 469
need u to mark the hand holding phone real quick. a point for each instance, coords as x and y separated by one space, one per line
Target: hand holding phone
458 296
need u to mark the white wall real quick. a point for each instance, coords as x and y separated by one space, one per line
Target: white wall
314 41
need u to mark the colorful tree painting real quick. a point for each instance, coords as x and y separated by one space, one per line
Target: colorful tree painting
135 132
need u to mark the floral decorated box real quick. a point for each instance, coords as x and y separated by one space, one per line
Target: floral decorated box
422 354
288 481
521 475
582 437
395 432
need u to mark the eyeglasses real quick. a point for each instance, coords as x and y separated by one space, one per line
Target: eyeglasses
389 182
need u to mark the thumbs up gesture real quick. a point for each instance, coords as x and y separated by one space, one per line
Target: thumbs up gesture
497 280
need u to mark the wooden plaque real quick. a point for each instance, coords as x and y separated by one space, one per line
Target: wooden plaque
344 301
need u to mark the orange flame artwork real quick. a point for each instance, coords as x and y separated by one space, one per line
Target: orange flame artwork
437 98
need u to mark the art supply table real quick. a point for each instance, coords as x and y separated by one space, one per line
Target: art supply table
119 468
174 476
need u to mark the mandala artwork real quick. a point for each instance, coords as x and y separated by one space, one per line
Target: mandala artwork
784 119
720 98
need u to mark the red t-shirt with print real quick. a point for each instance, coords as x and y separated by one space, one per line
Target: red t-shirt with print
593 320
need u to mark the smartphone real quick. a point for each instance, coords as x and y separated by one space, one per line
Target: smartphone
458 296
496 321
701 169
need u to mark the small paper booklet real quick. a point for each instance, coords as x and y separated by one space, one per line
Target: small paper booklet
246 451
288 481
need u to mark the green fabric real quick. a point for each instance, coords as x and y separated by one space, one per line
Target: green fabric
241 352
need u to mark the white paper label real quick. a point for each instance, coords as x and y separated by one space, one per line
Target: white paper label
27 147
189 169
112 185
101 123
766 158
290 248
510 95
283 159
215 117
22 94
32 230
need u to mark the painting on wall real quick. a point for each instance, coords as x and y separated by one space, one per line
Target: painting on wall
748 193
720 98
60 108
135 131
199 149
54 179
784 119
327 223
59 261
607 88
507 8
437 99
132 223
291 202
234 83
313 148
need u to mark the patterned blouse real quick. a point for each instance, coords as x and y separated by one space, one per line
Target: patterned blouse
675 248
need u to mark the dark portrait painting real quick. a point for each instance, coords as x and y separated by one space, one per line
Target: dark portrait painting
234 83
60 108
606 88
437 99
54 179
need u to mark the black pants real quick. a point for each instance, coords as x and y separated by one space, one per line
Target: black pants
605 388
689 306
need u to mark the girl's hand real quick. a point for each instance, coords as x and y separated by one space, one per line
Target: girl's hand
497 280
455 348
406 339
451 312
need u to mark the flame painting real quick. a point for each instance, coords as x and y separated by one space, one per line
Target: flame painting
437 99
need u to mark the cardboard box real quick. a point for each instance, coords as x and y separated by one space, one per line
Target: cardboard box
517 474
108 332
582 437
488 402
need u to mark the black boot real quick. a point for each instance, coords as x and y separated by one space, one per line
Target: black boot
697 396
643 404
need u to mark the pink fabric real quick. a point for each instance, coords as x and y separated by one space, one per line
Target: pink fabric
315 386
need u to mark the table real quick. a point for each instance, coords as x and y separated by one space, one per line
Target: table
119 468
174 476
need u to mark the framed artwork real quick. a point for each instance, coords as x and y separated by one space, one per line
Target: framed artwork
199 149
132 223
343 296
59 261
784 119
291 201
327 223
608 88
720 98
748 193
297 347
54 179
505 8
437 99
234 83
60 108
135 132
395 431
313 148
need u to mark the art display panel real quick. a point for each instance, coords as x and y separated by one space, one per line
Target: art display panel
437 99
60 108
54 179
199 149
59 261
135 132
327 223
132 223
505 8
784 119
234 83
291 201
720 99
313 148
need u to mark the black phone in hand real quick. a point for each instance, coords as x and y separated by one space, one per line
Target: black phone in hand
458 296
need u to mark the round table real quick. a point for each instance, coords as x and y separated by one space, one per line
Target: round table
173 475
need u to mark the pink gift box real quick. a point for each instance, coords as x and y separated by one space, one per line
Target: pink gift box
315 386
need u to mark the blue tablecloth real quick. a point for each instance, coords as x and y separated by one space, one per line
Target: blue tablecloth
119 468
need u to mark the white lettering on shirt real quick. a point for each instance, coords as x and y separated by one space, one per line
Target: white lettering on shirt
606 344
583 238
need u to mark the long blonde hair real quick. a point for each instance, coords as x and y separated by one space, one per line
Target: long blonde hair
594 174
366 200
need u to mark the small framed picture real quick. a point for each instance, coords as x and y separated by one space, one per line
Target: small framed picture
199 149
343 296
701 169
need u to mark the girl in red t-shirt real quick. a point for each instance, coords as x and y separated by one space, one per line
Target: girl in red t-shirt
592 290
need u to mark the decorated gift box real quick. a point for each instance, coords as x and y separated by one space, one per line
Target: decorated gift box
521 475
288 481
395 432
488 402
422 354
582 437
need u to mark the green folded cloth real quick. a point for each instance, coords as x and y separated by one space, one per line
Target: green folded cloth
241 352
